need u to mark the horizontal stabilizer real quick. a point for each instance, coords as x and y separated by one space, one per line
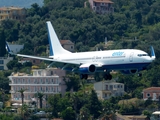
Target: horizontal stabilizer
9 50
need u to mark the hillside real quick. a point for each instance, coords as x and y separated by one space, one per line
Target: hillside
131 19
20 3
140 19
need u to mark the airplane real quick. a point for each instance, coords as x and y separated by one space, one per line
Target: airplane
128 61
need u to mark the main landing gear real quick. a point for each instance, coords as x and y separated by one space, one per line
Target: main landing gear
83 76
107 76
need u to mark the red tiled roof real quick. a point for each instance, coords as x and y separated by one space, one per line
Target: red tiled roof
104 1
152 88
65 42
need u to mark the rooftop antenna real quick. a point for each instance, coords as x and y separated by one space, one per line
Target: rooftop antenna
135 38
106 41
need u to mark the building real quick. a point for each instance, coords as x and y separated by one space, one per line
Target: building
102 6
33 61
47 81
68 45
152 92
131 117
15 48
4 61
107 89
12 13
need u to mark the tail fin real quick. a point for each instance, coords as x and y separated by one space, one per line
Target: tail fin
55 45
152 53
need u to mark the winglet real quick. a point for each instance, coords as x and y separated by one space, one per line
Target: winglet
152 53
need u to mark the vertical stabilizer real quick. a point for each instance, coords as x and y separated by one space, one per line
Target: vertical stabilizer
55 45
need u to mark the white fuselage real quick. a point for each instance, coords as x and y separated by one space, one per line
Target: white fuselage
118 59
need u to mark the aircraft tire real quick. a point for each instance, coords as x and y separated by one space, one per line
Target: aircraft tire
83 76
107 76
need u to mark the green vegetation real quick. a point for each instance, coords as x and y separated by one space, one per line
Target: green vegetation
134 24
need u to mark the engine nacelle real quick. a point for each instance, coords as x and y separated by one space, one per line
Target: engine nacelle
129 71
87 68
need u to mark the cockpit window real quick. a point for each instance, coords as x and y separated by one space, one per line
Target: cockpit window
140 55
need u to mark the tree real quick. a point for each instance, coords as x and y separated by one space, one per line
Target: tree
68 114
94 105
3 44
54 102
3 96
21 91
84 113
72 81
39 95
108 109
25 112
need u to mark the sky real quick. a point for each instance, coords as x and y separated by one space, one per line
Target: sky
20 3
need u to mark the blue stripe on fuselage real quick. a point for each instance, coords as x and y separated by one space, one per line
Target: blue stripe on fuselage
139 66
125 66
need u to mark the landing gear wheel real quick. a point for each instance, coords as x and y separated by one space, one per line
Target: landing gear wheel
139 74
107 76
83 76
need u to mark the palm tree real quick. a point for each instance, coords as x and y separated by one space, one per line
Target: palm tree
40 95
21 91
3 95
25 112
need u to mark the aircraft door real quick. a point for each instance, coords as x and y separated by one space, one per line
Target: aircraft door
94 59
131 56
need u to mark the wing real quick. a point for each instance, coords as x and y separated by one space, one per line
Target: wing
48 59
35 57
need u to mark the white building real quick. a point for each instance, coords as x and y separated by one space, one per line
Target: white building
15 48
4 61
107 89
47 81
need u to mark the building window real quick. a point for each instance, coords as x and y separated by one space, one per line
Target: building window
105 95
1 67
1 62
111 87
148 95
46 89
57 81
51 72
106 87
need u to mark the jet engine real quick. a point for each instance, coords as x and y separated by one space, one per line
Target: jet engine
87 68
